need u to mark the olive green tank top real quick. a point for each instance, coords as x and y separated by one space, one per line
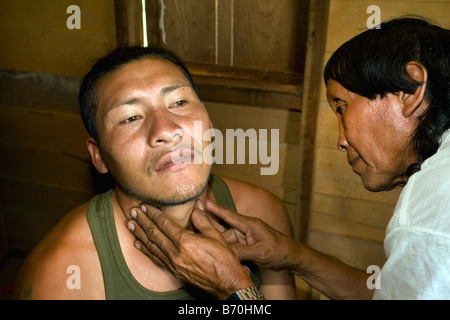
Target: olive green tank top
118 279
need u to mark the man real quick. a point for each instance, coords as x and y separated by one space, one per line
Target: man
140 107
390 91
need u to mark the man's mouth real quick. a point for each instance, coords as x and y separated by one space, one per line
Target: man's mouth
175 160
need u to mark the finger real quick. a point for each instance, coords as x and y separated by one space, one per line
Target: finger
244 252
145 245
164 224
235 220
146 230
153 239
154 257
233 236
203 223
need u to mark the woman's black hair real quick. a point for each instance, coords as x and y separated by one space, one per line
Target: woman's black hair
118 57
373 64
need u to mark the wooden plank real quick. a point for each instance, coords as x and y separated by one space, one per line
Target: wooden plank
49 15
249 93
224 46
364 212
248 76
60 132
354 11
286 175
35 37
318 13
48 201
328 132
53 52
333 176
188 28
232 116
45 92
222 28
32 209
359 253
129 25
52 168
335 225
265 34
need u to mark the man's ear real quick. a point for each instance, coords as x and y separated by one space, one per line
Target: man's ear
96 156
413 100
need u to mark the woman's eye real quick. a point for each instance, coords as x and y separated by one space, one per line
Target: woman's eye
340 110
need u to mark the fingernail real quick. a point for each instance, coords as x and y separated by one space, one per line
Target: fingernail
137 245
131 226
144 209
133 213
199 205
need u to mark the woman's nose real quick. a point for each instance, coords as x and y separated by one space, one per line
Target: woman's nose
342 142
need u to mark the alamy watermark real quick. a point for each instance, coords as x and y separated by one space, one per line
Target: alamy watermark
74 20
74 280
234 140
374 21
374 280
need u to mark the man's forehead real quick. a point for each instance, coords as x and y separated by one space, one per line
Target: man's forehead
144 67
148 73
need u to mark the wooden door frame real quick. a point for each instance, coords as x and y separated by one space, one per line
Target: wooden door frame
315 53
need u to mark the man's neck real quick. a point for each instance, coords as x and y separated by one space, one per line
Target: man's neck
181 214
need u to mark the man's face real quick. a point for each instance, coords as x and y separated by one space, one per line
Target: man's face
375 134
145 109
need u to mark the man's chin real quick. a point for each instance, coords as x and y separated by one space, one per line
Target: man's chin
172 192
168 190
178 198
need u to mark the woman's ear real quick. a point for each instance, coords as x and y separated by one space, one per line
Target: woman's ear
413 100
96 155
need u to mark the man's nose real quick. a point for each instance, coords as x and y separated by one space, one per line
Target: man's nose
163 129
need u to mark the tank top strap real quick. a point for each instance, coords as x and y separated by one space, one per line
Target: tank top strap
221 192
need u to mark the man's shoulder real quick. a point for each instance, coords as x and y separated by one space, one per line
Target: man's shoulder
258 202
243 192
66 250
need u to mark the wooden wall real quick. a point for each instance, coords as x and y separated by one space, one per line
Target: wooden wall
346 220
35 37
44 167
46 171
284 183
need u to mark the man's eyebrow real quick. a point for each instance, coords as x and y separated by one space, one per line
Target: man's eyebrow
136 100
173 87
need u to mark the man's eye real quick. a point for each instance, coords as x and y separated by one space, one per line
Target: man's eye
130 119
180 103
340 110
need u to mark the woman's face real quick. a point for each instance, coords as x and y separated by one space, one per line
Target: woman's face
376 135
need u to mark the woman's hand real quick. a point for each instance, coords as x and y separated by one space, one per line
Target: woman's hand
204 259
